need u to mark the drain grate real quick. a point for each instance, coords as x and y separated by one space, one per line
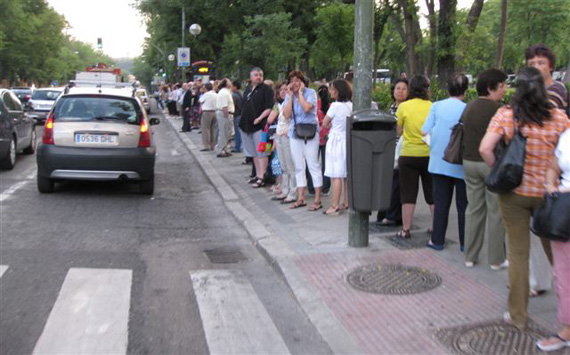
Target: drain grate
393 279
493 338
225 255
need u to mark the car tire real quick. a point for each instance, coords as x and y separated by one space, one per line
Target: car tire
45 185
8 161
32 148
147 187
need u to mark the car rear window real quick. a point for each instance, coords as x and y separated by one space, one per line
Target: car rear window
46 95
89 108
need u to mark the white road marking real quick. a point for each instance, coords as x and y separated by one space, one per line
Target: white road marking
6 194
3 269
234 319
175 153
90 315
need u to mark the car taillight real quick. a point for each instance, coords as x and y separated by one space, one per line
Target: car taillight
48 131
144 139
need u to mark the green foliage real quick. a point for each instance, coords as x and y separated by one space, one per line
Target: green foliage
382 95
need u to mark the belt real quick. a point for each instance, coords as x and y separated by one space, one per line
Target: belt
208 110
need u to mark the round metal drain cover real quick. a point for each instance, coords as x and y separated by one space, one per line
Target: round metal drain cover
496 339
393 279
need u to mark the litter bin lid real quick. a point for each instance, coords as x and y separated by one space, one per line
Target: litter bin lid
371 115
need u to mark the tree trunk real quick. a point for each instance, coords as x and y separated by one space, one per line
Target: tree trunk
432 35
446 41
502 35
381 15
410 37
471 24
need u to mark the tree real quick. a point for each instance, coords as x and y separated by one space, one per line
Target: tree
446 41
432 19
381 14
502 33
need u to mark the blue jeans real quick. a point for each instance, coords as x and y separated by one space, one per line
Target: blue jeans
237 135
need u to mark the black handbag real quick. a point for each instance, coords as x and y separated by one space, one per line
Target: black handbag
551 220
453 153
304 131
507 173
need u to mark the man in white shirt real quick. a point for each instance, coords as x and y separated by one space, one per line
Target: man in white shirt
208 125
224 116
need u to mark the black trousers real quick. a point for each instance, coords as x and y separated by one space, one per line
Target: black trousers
443 187
185 120
326 179
394 212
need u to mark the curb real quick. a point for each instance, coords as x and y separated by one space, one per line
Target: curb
278 254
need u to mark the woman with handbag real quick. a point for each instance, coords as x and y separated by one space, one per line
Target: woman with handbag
301 107
560 171
534 117
446 177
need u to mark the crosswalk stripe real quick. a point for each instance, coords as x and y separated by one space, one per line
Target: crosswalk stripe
3 269
90 315
234 319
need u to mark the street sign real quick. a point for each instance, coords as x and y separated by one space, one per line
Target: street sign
183 56
54 83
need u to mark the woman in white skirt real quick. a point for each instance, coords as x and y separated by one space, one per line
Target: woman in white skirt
335 157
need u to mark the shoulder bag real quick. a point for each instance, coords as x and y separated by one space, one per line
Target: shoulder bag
453 153
304 131
507 173
551 220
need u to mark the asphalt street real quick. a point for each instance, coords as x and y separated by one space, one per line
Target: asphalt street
139 264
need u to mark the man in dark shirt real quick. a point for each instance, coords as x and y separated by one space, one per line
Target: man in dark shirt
257 105
539 56
237 96
186 107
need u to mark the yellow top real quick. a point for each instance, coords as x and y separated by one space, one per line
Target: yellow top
412 115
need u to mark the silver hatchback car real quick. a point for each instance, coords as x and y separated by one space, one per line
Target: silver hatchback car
97 134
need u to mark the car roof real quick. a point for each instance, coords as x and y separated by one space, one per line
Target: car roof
125 92
51 89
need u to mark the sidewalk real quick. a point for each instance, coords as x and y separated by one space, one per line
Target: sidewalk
459 312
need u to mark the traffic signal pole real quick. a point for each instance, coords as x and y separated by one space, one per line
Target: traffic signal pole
363 53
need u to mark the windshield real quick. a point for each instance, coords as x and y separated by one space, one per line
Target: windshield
46 95
88 108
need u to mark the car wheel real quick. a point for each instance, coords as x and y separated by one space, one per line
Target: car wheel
9 160
32 148
147 187
45 185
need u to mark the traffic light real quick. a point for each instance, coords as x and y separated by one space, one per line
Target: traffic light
99 43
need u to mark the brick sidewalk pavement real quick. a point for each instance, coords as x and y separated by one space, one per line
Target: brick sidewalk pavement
315 246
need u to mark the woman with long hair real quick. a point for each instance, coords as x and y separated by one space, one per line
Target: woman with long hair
541 123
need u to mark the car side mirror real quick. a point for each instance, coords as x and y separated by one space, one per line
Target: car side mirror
154 121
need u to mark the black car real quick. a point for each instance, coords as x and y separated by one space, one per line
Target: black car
24 94
17 130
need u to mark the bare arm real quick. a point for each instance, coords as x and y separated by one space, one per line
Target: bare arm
399 130
327 122
272 116
487 145
288 108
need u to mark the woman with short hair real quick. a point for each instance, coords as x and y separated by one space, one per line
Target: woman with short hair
542 124
300 107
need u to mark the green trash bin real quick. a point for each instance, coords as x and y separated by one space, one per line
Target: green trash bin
371 144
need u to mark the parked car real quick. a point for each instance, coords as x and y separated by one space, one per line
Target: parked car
17 129
143 96
99 134
42 102
23 93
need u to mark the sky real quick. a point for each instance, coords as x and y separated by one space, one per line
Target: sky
120 26
115 21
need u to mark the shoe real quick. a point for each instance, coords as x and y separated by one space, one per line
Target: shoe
386 223
252 180
404 234
434 246
332 211
205 150
561 343
462 249
535 293
469 264
503 265
224 155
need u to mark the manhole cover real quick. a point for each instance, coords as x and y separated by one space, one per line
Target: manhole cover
493 338
225 255
393 279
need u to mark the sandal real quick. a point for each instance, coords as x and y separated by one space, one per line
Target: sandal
252 180
286 201
343 207
332 211
429 231
316 206
298 204
278 198
535 293
404 234
561 343
258 184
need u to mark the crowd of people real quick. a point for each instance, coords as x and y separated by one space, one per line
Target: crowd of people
295 139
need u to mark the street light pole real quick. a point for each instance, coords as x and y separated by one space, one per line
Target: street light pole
363 29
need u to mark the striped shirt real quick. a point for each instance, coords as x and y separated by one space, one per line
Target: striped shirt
540 145
558 95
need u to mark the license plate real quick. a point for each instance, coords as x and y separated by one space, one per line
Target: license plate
96 138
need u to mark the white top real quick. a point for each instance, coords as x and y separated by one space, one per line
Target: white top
282 123
209 101
563 154
338 112
225 99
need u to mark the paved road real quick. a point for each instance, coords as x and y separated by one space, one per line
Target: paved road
99 268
